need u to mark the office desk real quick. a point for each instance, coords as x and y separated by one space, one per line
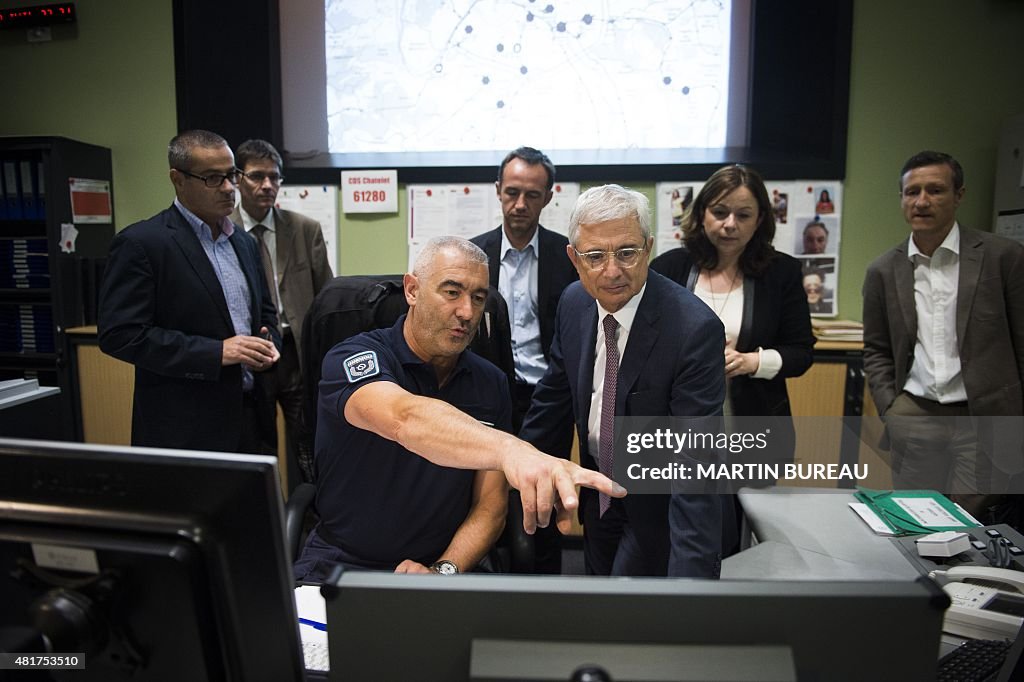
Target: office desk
811 533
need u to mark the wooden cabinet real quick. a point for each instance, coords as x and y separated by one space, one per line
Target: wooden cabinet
834 416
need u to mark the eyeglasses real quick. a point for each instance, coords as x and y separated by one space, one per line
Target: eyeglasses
258 178
597 260
812 288
214 180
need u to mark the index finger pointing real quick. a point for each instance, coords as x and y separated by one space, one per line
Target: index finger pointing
597 481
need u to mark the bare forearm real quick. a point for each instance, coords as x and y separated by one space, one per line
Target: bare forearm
432 429
483 524
445 436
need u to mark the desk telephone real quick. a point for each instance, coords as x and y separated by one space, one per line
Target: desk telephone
988 603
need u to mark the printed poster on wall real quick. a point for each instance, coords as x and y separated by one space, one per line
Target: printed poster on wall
319 202
467 210
90 201
808 226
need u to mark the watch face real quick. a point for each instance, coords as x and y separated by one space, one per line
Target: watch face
445 568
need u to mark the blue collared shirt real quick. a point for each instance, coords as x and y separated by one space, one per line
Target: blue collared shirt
229 273
517 283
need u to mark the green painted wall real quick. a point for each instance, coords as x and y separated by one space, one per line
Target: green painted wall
112 85
940 74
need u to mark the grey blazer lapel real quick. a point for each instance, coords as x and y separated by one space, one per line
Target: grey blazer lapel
285 241
971 255
903 276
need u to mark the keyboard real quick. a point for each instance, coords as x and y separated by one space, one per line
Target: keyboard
315 655
976 660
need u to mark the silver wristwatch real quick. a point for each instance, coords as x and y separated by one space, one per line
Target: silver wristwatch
444 567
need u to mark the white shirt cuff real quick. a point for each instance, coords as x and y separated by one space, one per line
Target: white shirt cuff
770 362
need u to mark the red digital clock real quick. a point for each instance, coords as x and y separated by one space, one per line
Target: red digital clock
39 15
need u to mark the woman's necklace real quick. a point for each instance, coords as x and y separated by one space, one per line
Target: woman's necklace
728 293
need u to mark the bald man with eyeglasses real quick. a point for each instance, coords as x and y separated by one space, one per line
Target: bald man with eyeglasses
184 301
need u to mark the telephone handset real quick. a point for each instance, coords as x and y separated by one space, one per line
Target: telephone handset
988 603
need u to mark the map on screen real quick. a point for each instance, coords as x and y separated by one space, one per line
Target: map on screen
468 75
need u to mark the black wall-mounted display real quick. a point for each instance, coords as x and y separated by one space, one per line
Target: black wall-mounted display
230 82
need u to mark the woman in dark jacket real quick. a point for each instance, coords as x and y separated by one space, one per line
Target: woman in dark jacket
728 261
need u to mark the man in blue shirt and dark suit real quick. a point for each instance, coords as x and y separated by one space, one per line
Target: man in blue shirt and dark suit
670 345
184 301
528 266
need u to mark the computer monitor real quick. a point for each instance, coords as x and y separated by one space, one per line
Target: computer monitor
154 564
480 627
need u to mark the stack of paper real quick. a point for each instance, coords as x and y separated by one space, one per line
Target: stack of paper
837 330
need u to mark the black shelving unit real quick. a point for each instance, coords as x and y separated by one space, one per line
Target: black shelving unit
44 288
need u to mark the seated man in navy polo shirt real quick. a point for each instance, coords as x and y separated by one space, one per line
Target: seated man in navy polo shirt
411 447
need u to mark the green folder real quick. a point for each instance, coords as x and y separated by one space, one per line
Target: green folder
914 512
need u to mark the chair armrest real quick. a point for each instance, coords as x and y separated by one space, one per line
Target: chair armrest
294 515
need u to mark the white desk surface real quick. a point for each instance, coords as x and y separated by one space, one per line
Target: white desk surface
811 533
17 391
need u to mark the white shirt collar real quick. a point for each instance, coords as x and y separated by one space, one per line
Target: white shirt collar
248 222
506 245
951 243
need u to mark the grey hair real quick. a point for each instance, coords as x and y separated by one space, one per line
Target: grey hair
425 259
609 202
179 150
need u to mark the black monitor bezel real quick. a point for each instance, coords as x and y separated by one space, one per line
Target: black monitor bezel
226 508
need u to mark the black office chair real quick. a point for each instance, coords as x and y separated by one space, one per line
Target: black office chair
299 503
349 305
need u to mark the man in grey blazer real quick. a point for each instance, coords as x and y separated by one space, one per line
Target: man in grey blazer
944 338
295 265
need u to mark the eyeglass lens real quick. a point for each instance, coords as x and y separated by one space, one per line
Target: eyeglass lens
625 257
258 178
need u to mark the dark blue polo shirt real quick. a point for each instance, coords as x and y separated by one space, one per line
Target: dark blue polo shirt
378 502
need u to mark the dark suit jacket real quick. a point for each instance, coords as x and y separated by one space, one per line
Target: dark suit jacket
302 265
672 366
554 273
775 315
163 310
989 323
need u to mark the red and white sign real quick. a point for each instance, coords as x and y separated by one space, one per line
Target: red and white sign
369 191
90 201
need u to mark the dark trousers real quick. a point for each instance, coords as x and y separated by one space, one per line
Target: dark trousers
547 542
610 546
282 385
253 439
